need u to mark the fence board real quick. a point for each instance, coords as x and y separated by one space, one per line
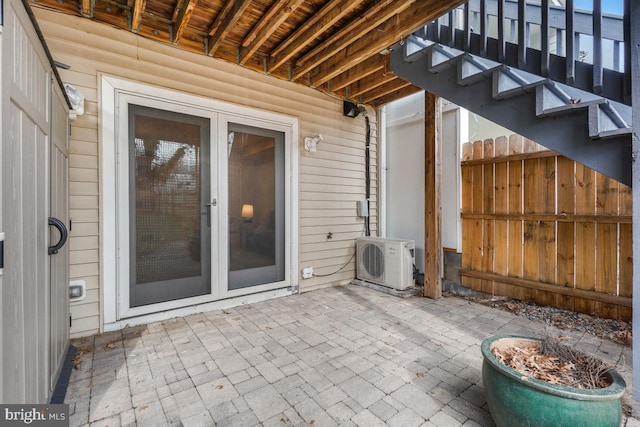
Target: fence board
467 188
546 260
488 254
565 259
585 190
606 195
624 201
548 188
501 226
625 287
566 186
533 197
532 216
476 230
477 191
607 266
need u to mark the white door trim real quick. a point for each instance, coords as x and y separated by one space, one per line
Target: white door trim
114 212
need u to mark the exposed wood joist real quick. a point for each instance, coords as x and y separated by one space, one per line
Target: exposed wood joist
320 22
136 14
333 46
397 28
181 16
401 93
385 89
372 65
87 8
365 24
269 23
224 23
371 82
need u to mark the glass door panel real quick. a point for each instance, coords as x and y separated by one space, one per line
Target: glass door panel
256 206
169 218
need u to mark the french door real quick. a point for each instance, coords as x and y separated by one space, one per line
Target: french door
256 206
201 205
169 205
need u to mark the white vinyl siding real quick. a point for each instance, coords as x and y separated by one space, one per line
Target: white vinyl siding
330 180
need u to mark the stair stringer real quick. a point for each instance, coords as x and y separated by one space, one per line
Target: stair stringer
568 134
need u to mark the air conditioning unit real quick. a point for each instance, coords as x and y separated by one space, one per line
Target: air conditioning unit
387 262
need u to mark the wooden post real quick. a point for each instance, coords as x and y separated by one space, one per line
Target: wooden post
634 43
432 206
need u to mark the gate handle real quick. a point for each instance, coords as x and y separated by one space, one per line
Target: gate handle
63 235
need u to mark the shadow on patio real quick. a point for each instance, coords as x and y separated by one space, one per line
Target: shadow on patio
339 356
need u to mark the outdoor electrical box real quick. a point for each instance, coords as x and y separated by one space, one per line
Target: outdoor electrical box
363 208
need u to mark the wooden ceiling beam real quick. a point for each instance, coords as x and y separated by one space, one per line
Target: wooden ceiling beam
383 90
319 22
394 96
86 8
224 22
370 83
364 24
369 66
181 16
264 20
136 14
394 30
268 24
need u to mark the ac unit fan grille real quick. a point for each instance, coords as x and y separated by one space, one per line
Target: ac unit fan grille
373 260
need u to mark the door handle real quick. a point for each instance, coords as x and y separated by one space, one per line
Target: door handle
213 202
63 235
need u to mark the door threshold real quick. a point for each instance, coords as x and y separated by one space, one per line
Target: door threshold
198 308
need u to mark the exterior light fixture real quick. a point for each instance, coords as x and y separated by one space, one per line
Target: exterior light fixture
310 144
350 109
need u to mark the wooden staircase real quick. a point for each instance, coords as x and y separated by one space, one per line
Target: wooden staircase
574 101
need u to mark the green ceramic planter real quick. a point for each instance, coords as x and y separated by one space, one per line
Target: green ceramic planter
515 400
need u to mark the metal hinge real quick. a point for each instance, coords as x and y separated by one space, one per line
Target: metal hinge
69 321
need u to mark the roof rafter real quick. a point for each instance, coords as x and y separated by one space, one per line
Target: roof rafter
269 23
136 14
224 22
396 28
86 8
405 91
370 83
364 24
310 30
383 90
373 64
181 16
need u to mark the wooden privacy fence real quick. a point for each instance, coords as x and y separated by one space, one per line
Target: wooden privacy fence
540 227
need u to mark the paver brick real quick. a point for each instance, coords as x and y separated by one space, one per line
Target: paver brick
345 355
442 419
311 412
340 412
367 418
405 418
383 410
329 397
361 391
266 402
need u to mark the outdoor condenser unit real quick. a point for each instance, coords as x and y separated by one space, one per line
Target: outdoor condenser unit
387 262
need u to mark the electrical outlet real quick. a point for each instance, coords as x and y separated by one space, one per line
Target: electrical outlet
307 272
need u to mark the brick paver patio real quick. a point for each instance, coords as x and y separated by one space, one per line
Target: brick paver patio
341 356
